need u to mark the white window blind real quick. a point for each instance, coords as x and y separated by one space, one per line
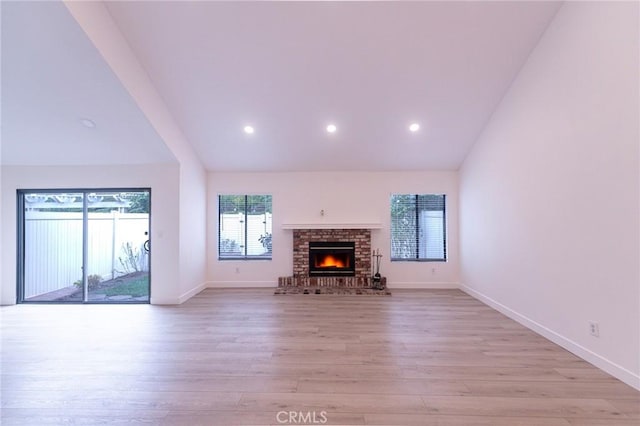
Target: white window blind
244 227
418 227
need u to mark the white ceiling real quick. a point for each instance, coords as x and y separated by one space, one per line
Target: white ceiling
287 68
52 78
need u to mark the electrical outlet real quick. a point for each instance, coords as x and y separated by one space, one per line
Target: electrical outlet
237 270
433 271
594 329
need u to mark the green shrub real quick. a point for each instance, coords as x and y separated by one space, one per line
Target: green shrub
93 281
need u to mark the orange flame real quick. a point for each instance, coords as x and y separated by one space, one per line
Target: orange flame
330 261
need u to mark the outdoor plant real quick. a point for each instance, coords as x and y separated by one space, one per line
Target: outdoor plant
92 280
130 260
266 241
229 246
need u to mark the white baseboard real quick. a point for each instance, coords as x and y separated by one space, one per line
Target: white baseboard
242 284
422 285
189 294
610 367
160 301
180 299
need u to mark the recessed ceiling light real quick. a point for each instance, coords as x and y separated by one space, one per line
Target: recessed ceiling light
87 123
249 130
331 128
414 127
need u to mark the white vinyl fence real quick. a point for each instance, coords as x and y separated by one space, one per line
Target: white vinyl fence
232 232
53 248
432 237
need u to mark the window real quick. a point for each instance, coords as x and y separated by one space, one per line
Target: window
418 230
244 227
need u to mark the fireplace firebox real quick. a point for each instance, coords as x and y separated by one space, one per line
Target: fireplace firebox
332 259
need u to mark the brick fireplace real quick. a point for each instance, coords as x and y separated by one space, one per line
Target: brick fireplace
362 255
361 238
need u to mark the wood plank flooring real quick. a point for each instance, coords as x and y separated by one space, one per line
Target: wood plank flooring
247 357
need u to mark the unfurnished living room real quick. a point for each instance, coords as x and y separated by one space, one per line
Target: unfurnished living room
329 213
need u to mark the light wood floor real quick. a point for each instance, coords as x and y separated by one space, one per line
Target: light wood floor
242 356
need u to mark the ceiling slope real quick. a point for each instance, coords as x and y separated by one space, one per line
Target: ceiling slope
52 79
372 68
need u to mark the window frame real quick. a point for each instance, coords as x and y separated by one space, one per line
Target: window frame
417 239
244 256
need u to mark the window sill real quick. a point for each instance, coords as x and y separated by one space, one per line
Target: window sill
244 258
419 260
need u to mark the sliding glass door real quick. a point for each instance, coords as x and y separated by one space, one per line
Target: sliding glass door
52 246
118 247
84 246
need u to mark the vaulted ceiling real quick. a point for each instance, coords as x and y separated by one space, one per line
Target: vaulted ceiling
53 79
286 68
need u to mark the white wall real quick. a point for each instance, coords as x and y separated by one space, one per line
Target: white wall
193 225
164 183
345 197
549 195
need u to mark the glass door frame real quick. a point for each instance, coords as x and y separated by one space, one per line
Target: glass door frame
20 244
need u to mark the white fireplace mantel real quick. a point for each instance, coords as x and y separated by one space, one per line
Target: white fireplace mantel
327 225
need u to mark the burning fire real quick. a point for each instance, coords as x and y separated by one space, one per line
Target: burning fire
330 261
